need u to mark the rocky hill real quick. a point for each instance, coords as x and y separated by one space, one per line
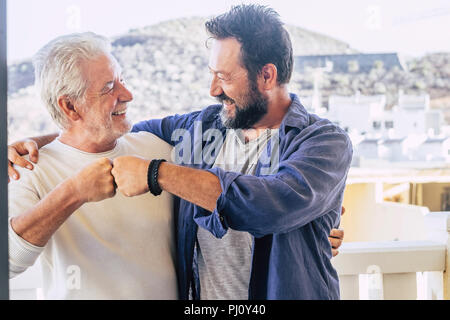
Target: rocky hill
178 41
165 66
429 74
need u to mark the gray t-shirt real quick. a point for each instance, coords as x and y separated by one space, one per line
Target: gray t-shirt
224 264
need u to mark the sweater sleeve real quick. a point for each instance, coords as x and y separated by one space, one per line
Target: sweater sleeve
22 254
22 197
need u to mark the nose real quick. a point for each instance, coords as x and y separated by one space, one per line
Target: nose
125 95
215 89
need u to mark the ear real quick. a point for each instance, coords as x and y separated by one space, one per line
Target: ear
67 106
269 74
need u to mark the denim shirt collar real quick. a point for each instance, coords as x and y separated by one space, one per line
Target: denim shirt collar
296 117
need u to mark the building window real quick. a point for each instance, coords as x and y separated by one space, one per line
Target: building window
376 125
445 200
378 65
389 124
353 66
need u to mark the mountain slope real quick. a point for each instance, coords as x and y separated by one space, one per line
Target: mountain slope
185 36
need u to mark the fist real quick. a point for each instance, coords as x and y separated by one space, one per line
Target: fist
130 174
95 182
336 237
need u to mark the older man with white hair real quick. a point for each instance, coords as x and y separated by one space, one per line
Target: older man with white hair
119 248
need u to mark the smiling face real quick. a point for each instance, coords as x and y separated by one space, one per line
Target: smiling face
243 103
103 110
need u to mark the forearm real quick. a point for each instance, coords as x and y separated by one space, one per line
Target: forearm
200 187
38 224
44 140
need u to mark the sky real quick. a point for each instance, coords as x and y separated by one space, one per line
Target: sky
410 27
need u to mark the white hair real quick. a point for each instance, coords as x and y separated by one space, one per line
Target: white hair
58 69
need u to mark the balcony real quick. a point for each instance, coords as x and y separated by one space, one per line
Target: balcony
412 265
391 251
393 270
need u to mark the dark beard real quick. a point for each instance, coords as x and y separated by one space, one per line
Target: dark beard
246 116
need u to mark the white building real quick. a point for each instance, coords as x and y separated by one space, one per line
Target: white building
307 102
414 102
357 112
367 114
367 149
413 116
434 149
392 149
434 121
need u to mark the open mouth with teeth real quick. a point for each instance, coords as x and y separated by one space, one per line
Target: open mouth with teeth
228 104
119 113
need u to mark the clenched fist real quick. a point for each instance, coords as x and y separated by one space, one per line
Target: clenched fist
130 174
95 182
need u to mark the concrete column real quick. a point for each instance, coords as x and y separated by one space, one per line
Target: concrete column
349 287
400 286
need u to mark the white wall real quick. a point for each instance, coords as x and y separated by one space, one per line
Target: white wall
356 112
368 218
409 121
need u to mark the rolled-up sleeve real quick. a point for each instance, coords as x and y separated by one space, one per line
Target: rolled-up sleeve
215 221
309 183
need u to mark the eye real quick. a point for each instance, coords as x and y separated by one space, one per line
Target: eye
219 75
109 87
109 91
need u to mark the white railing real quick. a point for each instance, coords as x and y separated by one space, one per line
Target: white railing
398 269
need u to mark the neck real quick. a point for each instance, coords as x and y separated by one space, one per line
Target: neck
279 103
85 142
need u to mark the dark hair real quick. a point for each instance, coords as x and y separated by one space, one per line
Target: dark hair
262 36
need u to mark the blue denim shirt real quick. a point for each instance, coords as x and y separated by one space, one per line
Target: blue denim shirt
289 212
